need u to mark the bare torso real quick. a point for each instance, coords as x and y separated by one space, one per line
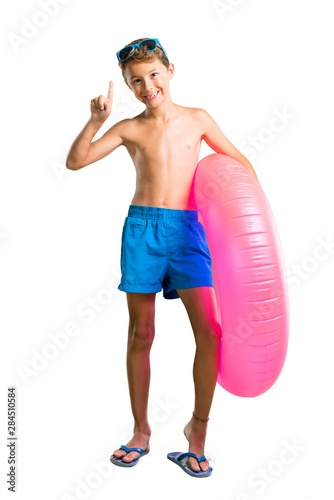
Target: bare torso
165 157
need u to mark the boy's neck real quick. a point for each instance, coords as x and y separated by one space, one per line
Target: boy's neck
164 112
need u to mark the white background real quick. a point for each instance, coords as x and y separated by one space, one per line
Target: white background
60 238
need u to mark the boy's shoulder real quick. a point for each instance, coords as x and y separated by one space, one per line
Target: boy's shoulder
196 112
200 112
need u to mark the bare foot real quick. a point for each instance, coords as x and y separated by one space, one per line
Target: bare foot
139 440
195 433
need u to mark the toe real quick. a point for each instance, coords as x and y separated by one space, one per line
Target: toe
193 464
119 453
204 465
131 456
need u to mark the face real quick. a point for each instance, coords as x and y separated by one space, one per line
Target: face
149 81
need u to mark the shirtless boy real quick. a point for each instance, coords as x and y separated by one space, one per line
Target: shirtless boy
163 243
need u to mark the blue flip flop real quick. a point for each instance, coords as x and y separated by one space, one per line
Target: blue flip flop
119 461
178 458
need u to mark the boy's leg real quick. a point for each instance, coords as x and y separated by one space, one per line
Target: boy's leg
201 306
140 337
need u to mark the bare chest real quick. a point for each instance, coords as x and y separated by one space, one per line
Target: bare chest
169 153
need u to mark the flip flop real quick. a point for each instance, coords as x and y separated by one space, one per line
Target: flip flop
119 461
178 458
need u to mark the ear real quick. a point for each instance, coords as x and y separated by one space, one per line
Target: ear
171 71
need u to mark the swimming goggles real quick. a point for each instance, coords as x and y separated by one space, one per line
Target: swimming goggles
128 50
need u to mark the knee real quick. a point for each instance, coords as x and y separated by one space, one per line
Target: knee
211 334
141 336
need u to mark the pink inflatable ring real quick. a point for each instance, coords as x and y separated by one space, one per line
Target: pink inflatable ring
248 274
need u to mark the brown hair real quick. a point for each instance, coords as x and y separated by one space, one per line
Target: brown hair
141 55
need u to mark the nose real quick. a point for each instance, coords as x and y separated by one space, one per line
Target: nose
148 86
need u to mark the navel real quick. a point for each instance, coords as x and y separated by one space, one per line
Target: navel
164 202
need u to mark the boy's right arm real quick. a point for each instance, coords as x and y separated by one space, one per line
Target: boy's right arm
83 151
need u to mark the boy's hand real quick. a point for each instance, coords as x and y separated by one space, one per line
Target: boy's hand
100 107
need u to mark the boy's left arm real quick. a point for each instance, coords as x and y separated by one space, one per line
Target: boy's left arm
217 141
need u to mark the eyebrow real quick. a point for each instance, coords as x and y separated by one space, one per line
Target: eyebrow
134 76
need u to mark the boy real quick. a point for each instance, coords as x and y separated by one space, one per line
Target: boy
163 243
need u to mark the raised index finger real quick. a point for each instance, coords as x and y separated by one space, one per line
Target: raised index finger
111 88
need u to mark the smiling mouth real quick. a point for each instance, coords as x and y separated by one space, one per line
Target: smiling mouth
152 96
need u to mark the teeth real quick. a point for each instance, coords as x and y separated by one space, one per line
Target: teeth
152 94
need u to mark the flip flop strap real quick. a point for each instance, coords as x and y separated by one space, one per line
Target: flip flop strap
140 450
184 455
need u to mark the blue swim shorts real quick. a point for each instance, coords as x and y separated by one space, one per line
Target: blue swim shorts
163 248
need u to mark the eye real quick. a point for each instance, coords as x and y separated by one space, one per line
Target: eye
154 74
136 80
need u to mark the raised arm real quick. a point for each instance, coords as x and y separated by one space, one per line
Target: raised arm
217 141
83 151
